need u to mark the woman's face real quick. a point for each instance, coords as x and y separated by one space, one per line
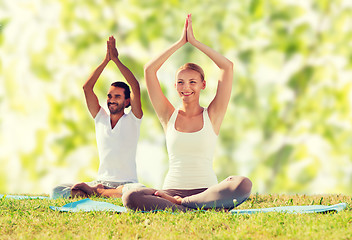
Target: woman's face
189 84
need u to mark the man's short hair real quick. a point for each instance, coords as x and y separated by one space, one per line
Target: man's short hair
126 89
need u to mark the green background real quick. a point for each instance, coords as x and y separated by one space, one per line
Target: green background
288 126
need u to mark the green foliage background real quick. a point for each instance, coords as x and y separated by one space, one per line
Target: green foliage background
288 126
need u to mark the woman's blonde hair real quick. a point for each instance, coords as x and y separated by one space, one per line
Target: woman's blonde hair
193 67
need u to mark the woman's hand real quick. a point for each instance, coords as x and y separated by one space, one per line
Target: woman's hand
190 36
176 199
183 38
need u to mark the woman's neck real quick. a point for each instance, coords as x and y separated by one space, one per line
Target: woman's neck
191 109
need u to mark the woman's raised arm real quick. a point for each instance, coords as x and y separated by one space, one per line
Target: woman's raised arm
161 104
218 106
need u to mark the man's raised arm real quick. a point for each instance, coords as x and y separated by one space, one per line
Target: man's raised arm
91 98
135 101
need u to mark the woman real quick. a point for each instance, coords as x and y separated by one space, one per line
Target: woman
191 132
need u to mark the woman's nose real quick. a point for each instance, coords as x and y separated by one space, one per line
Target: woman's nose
185 86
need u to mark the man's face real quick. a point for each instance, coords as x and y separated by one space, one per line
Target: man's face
116 100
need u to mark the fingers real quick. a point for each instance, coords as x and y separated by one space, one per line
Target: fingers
111 41
162 195
190 36
107 56
112 51
189 19
178 199
183 38
107 46
157 193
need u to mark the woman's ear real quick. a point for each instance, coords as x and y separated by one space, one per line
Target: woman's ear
204 84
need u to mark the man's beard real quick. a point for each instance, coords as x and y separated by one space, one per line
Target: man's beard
118 109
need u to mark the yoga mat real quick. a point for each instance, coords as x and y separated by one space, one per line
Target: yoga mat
87 205
20 197
295 209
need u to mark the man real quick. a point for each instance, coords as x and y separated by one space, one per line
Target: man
117 133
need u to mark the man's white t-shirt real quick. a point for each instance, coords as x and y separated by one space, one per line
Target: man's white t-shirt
117 147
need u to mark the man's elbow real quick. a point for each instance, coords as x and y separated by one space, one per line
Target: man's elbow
86 88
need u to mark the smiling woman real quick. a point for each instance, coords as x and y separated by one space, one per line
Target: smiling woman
191 134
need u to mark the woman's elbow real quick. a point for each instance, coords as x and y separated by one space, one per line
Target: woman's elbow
229 65
148 68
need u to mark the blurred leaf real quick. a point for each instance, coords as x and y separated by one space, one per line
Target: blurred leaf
300 80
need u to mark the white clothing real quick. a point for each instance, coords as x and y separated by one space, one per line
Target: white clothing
117 147
190 156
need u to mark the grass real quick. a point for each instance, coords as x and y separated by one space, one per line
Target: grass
32 219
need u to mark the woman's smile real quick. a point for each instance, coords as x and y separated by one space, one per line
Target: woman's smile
187 93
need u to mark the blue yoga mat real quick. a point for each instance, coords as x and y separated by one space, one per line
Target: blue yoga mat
87 205
20 197
295 209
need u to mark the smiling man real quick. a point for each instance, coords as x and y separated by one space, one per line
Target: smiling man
117 133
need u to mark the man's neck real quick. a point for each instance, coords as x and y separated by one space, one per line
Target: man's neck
114 118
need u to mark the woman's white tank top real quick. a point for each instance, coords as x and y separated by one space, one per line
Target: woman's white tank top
190 156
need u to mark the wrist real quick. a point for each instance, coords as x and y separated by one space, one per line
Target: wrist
180 43
106 61
193 41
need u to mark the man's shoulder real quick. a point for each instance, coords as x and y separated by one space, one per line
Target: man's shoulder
101 114
130 115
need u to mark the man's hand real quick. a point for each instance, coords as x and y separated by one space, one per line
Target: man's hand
107 56
112 49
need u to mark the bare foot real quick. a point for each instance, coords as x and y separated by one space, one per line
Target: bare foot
175 199
110 192
78 193
83 187
97 189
